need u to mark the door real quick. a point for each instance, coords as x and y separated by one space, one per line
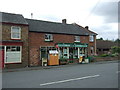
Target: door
1 59
71 55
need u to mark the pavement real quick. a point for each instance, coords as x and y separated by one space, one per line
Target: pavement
50 67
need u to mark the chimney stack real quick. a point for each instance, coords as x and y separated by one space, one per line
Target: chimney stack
64 21
86 27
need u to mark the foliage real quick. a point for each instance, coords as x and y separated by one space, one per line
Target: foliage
104 55
117 41
63 59
100 38
91 58
115 49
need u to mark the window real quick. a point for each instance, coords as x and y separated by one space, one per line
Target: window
15 32
48 37
13 54
65 52
77 39
92 50
1 47
91 38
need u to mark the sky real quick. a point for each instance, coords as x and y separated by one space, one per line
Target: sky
100 15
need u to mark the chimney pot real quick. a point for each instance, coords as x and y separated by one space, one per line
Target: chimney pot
64 21
86 27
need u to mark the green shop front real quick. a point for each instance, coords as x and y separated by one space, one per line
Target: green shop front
72 51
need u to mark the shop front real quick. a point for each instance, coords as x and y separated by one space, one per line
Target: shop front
68 51
11 53
72 51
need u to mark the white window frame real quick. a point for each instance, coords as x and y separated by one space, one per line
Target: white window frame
76 38
19 33
92 49
49 39
5 59
91 38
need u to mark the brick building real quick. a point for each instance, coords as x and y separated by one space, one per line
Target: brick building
27 42
104 46
70 40
14 40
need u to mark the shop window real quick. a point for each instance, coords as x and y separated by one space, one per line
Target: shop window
75 51
43 53
65 53
77 38
15 32
1 47
91 38
48 37
13 54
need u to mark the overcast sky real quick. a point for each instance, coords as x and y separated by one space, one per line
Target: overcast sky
100 15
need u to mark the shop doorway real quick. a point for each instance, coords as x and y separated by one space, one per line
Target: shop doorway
71 54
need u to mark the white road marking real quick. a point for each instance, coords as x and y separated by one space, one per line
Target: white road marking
117 71
69 80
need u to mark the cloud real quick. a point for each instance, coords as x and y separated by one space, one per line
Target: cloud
107 31
108 10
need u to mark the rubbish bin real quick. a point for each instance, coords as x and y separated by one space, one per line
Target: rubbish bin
86 60
44 62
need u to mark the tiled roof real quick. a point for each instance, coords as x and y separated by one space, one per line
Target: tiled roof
12 18
53 27
101 44
45 26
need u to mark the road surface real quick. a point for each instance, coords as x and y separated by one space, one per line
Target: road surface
94 75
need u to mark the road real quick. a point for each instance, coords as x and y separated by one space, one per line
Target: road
95 75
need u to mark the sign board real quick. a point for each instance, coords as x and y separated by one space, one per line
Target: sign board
53 52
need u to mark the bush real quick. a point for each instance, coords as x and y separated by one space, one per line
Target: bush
104 55
115 49
63 61
91 58
114 55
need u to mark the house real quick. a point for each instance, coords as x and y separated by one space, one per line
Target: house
71 40
14 40
104 46
27 42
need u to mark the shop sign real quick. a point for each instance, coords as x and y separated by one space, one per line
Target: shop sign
53 52
80 45
65 45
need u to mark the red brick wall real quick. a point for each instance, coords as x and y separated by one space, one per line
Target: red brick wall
92 44
37 39
6 35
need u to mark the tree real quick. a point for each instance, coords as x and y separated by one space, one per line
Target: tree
117 40
100 38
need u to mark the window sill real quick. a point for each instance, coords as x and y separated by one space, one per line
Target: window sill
15 39
91 41
13 62
76 41
48 40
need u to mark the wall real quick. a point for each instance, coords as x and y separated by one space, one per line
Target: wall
92 44
36 40
6 35
105 58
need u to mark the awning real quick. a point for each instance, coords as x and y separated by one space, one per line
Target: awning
72 45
